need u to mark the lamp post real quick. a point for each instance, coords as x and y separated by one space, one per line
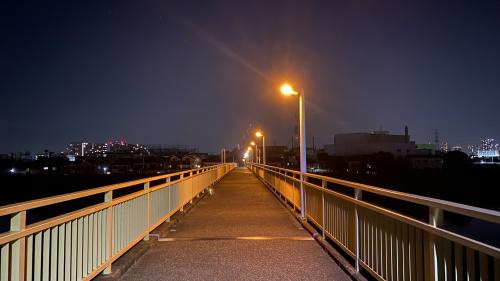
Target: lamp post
254 156
247 154
287 90
259 134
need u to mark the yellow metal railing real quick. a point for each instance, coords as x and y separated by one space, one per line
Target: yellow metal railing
388 244
83 243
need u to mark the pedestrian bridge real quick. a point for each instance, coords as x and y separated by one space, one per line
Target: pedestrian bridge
236 228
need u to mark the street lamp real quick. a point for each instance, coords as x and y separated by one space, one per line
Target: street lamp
287 90
259 134
254 154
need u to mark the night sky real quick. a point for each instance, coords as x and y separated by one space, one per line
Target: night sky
202 72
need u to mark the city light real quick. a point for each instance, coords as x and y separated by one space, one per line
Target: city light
287 90
252 143
258 134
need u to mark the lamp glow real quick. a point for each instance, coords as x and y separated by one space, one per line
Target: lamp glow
287 90
258 134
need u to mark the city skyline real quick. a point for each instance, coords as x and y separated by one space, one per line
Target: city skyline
201 73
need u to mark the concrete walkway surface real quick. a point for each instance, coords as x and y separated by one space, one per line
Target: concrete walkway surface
240 232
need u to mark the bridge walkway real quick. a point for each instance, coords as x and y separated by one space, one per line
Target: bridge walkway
240 232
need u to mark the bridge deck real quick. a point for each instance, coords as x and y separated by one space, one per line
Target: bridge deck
240 207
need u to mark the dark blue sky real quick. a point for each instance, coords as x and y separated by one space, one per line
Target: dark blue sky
199 72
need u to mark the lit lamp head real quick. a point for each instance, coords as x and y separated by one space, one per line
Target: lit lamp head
252 143
287 90
259 134
249 148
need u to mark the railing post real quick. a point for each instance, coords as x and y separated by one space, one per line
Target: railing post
108 197
18 223
303 214
192 183
180 178
431 258
358 195
146 187
167 180
323 212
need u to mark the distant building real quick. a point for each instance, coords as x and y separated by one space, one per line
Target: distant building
179 150
77 149
426 162
276 155
80 149
430 148
487 153
486 149
370 143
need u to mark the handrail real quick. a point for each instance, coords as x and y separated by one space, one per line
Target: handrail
80 244
37 203
454 207
388 244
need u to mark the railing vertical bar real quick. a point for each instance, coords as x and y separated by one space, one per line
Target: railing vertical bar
459 262
38 257
496 269
383 245
127 228
323 213
372 240
29 258
440 270
404 251
471 264
91 253
103 233
117 221
4 258
399 250
53 252
447 270
108 198
362 236
79 249
18 264
94 243
340 222
411 253
483 267
148 207
104 237
85 246
67 252
377 241
345 222
419 256
396 255
99 239
357 196
388 246
74 234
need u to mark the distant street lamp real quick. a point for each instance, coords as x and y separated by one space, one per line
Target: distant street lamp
288 90
259 134
254 152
